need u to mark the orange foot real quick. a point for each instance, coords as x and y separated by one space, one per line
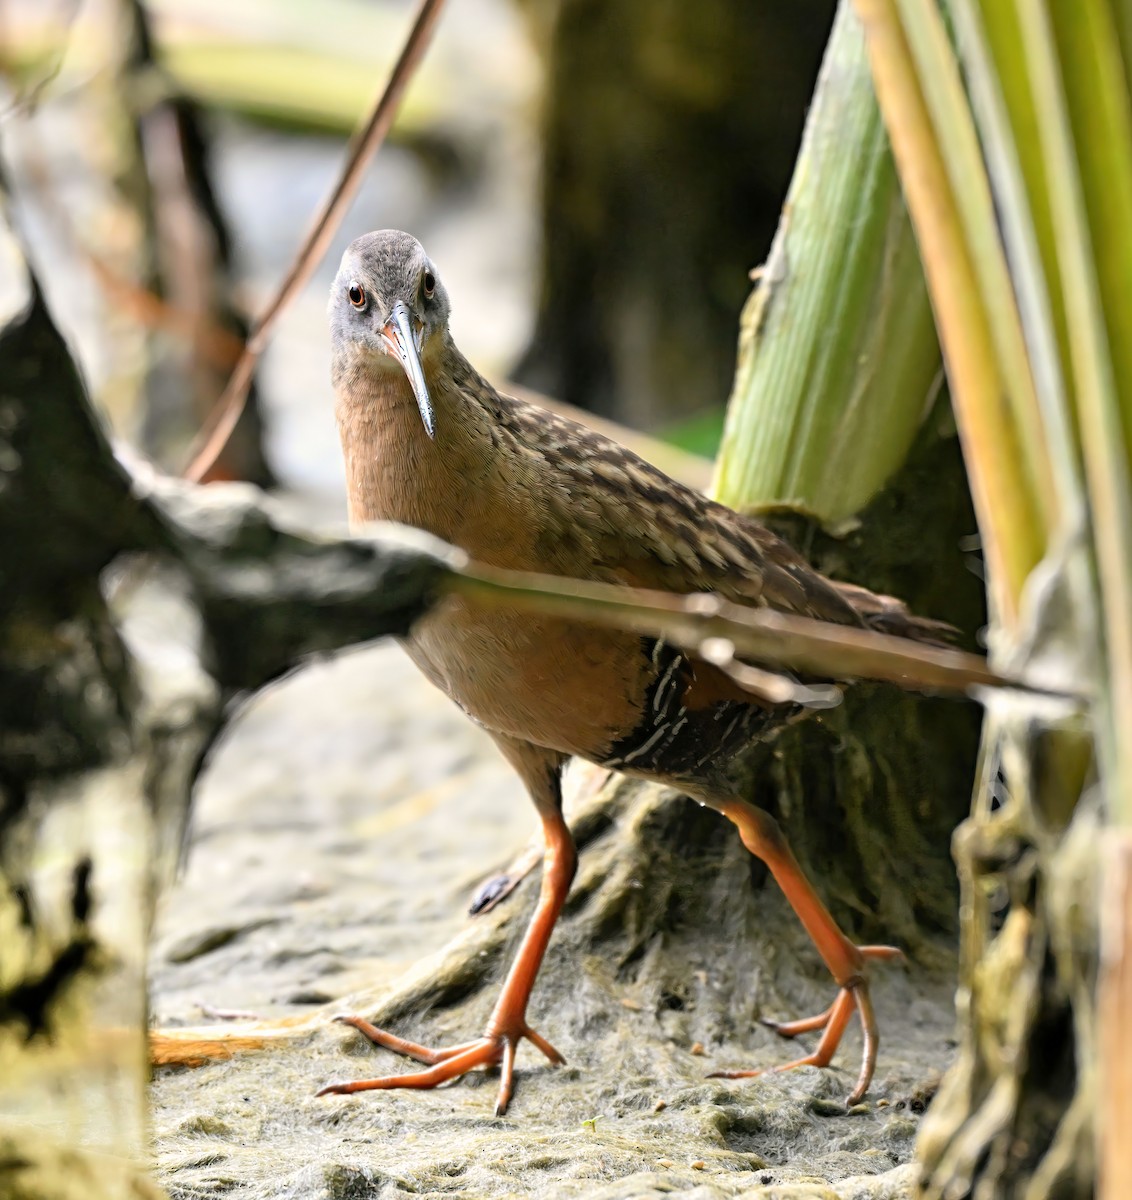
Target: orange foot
852 994
495 1048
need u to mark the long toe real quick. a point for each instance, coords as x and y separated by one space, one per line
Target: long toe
864 1005
483 1053
399 1045
833 1024
791 1029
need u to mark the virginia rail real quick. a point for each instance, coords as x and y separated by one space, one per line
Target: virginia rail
429 442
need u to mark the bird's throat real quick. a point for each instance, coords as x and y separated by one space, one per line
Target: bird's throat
394 471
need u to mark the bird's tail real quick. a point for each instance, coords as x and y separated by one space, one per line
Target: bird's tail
886 614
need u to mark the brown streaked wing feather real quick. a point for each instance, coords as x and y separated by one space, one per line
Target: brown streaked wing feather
679 540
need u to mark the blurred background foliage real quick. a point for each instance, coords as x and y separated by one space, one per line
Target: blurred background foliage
596 179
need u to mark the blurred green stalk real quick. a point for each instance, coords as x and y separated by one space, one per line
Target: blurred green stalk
838 355
294 87
1082 97
1042 112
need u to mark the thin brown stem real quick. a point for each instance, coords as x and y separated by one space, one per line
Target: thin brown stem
364 145
785 639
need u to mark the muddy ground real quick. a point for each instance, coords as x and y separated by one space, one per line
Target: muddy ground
338 835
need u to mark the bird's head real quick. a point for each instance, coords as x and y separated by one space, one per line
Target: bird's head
388 306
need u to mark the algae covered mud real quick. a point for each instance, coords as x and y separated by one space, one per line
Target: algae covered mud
342 828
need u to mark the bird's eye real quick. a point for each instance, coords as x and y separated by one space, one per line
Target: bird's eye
429 282
357 296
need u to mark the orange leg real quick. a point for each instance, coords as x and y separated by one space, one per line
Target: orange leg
762 836
507 1025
